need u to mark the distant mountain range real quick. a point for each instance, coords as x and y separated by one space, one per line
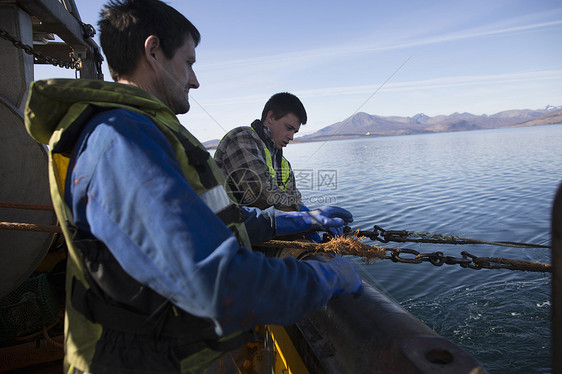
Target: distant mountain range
363 124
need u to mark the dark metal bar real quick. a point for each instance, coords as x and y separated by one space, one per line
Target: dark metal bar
60 51
55 18
557 283
70 5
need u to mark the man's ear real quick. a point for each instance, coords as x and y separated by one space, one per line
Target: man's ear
152 50
268 117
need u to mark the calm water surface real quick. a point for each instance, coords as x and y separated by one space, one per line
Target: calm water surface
494 185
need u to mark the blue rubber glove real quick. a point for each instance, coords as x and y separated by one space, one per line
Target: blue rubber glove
327 218
312 235
338 275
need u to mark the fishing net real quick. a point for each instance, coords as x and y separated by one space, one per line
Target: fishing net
32 306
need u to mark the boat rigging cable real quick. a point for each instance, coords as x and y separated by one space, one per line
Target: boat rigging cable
402 236
350 245
343 123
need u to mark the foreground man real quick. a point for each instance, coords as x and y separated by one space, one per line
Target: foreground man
160 275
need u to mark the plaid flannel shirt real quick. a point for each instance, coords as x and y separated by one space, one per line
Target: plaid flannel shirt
241 157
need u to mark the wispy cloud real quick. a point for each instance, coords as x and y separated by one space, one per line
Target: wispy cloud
299 59
418 85
467 34
445 82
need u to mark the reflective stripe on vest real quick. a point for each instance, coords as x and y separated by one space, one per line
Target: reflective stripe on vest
285 169
216 199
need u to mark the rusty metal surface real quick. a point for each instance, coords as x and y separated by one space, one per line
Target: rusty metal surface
373 334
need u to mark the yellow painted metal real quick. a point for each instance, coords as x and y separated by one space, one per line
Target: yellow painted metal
287 359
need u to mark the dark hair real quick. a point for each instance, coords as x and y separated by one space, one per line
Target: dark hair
125 25
282 104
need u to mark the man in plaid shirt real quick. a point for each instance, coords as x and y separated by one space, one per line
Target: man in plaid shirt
251 158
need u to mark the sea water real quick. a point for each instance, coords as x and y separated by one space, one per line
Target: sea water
493 185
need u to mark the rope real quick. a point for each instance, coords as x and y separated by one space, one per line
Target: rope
20 226
453 239
351 245
51 340
504 263
7 204
342 245
29 227
403 236
45 333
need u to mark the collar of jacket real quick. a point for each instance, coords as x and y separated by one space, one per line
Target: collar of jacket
265 135
50 100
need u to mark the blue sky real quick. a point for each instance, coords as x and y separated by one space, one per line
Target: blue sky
380 57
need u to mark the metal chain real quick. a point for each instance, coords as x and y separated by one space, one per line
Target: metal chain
39 57
402 236
466 261
351 246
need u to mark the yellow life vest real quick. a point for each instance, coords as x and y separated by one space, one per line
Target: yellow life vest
283 182
55 113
